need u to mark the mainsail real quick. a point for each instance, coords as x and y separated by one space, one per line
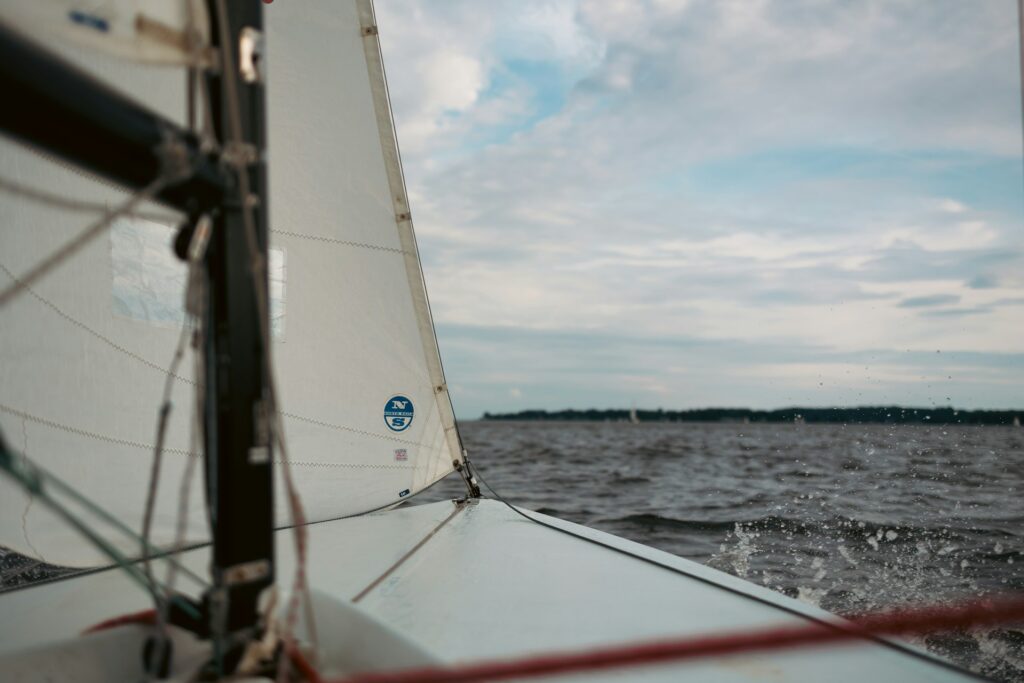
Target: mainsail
85 353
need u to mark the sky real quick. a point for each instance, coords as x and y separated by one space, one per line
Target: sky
692 203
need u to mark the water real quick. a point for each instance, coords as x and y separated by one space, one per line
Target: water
849 518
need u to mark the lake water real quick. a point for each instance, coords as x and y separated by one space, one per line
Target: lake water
849 518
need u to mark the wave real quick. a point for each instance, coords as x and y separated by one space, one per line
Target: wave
835 527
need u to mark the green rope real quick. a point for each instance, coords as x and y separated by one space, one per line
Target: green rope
34 479
115 522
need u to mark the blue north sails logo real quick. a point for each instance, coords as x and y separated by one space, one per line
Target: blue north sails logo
398 413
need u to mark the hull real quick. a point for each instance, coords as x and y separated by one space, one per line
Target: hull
479 581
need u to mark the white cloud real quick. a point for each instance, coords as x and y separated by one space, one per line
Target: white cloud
760 170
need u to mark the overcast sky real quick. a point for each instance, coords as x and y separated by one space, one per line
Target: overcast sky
704 203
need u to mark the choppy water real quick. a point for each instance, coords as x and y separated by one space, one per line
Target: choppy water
849 518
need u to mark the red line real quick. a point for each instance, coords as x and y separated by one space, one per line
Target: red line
146 617
986 612
302 665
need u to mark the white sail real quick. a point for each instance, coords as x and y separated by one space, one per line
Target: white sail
358 340
143 30
84 355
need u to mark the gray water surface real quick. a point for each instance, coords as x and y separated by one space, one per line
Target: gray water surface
849 518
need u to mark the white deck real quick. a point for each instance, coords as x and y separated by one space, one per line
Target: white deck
492 584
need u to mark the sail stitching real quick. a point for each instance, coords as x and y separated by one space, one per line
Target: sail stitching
84 432
180 451
349 429
117 347
93 332
332 240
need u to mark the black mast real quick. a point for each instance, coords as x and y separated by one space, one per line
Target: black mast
238 436
56 107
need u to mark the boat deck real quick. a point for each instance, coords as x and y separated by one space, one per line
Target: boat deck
479 581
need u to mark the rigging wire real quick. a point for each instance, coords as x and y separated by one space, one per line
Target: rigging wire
72 246
35 479
185 487
192 304
161 607
57 201
737 591
195 303
161 432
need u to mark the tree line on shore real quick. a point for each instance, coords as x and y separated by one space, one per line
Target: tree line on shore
855 415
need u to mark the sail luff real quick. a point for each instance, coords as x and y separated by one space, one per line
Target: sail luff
403 217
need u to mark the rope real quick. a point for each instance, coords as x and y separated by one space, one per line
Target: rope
34 479
161 434
459 507
987 612
185 487
50 478
154 484
78 205
72 246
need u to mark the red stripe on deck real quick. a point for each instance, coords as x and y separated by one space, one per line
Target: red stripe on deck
146 617
988 612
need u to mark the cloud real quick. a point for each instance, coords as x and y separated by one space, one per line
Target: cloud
554 368
982 282
957 312
933 300
768 172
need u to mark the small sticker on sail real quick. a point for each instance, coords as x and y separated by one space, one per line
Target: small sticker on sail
401 454
403 493
398 413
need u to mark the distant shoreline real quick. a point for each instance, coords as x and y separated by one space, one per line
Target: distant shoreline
857 415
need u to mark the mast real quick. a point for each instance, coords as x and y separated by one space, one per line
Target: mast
58 108
239 463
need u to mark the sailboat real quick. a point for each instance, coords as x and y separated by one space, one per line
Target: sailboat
238 170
